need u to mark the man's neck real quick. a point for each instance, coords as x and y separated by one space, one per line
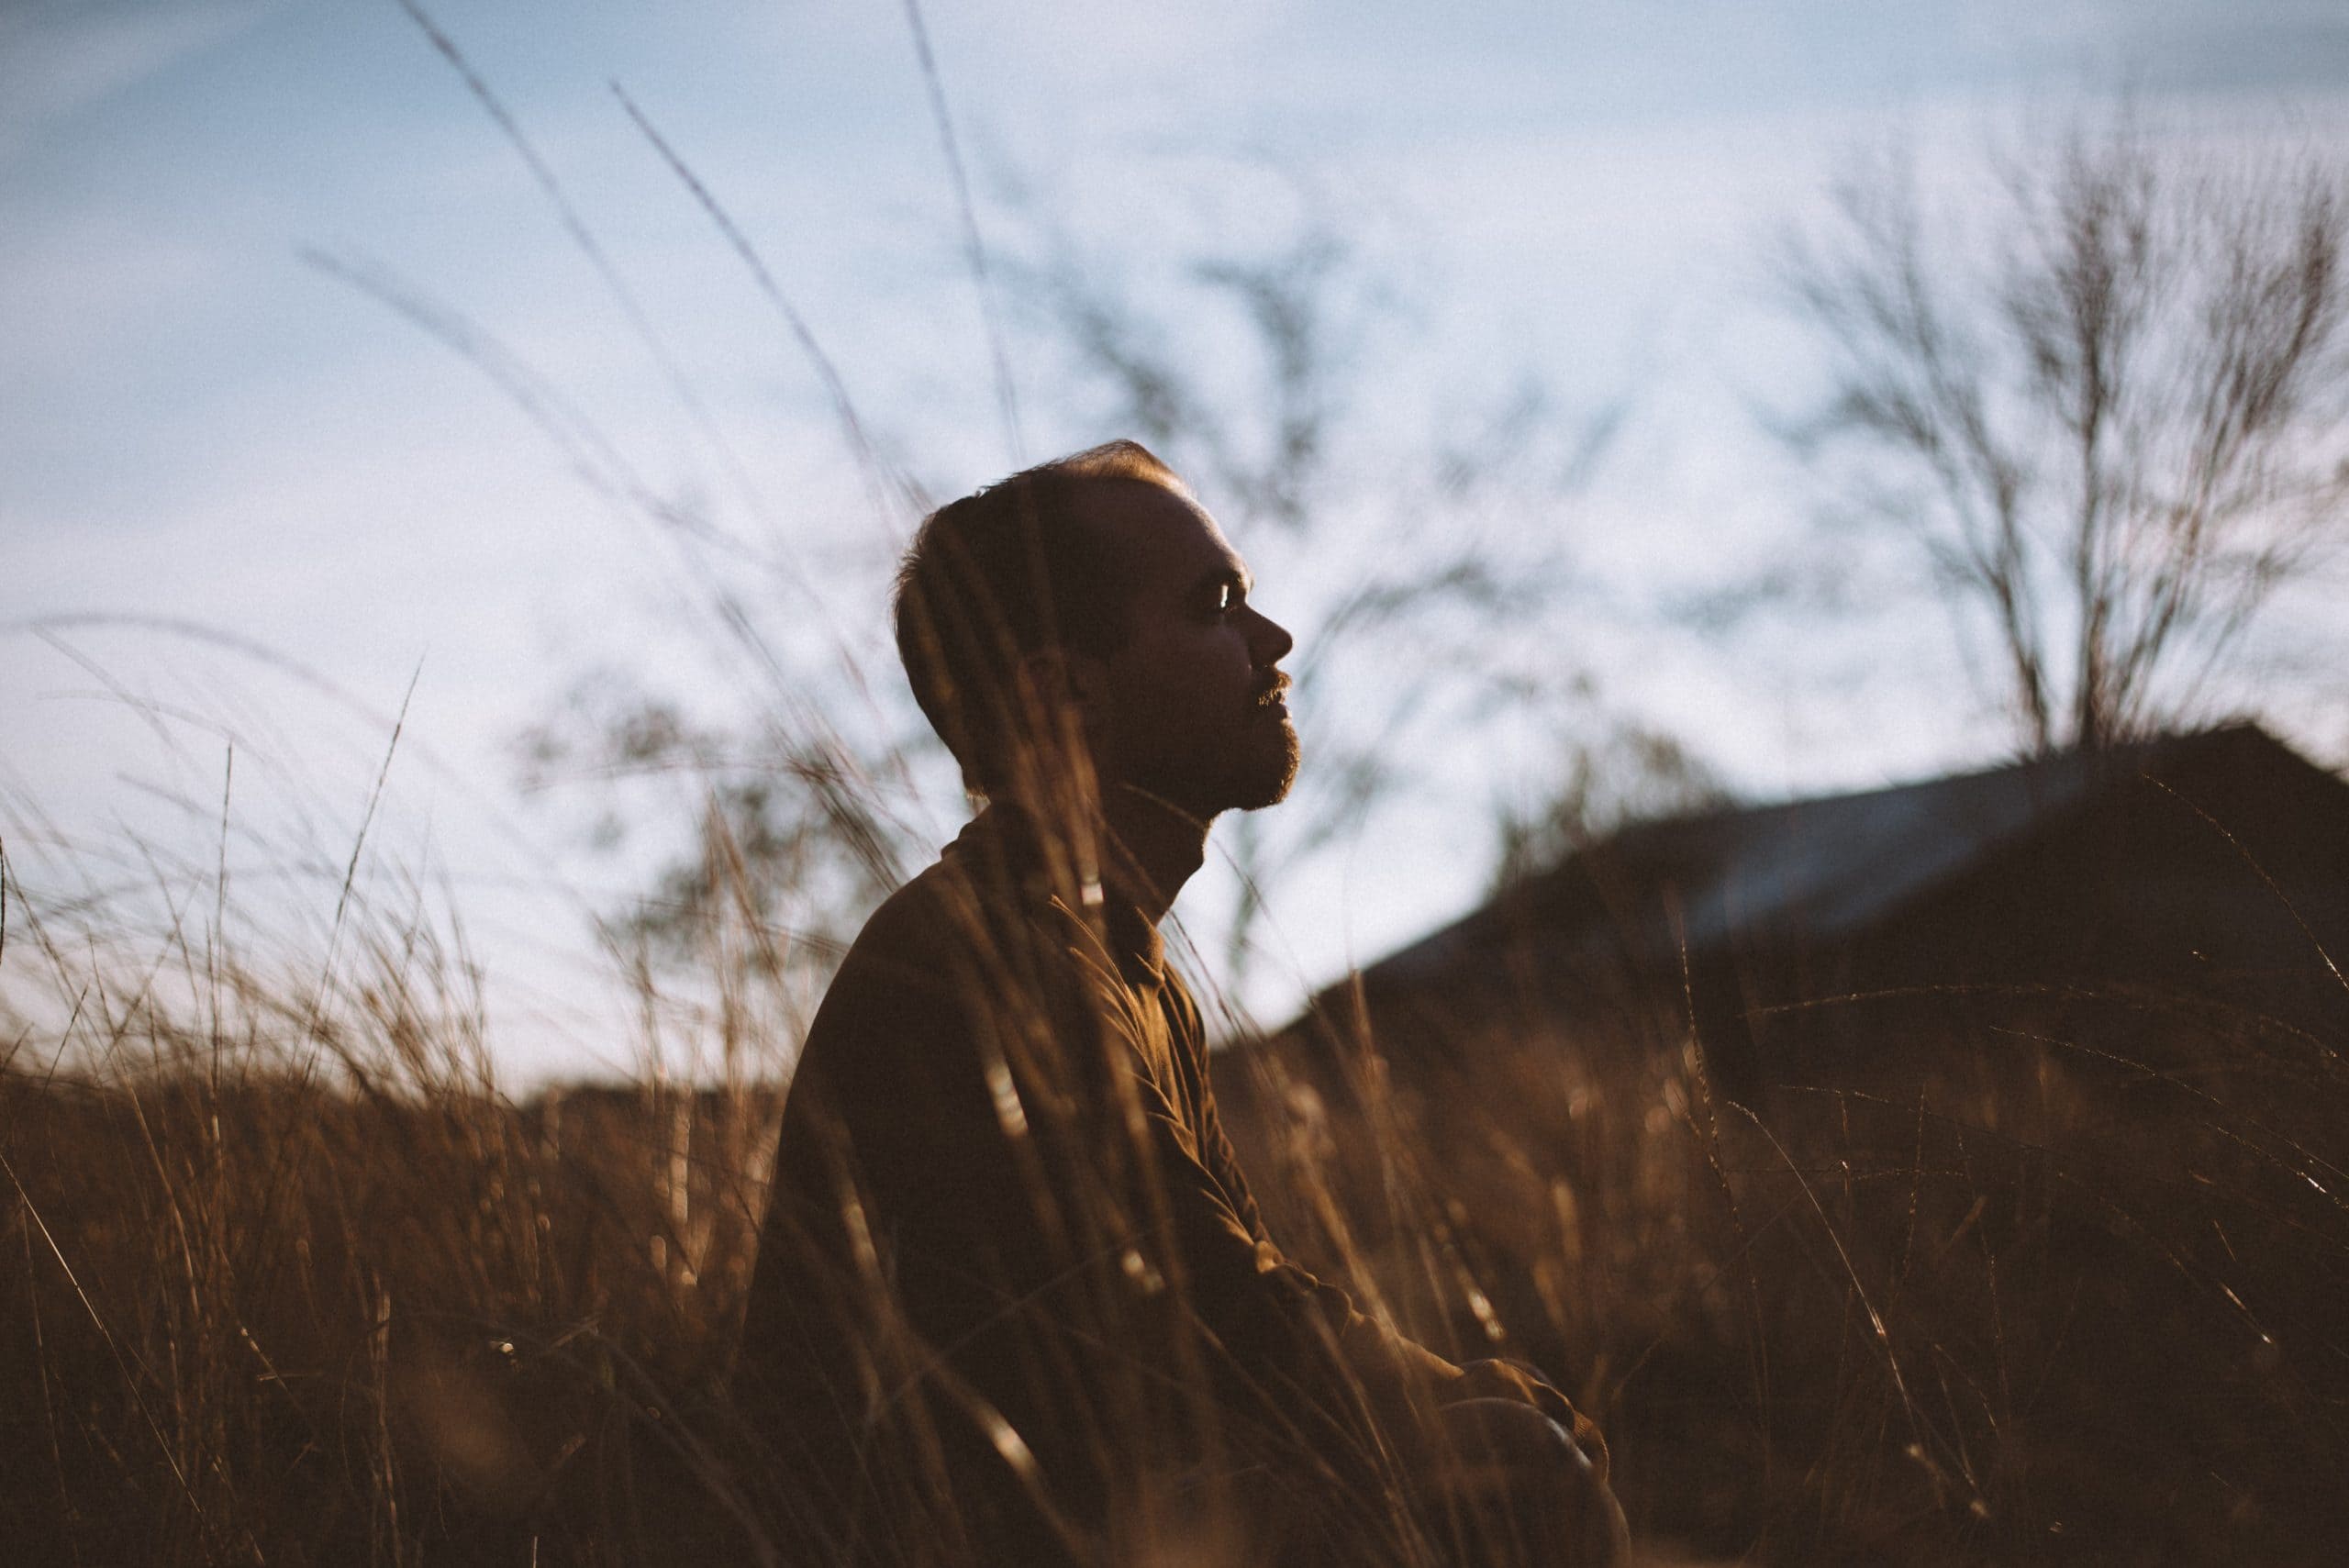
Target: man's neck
1154 847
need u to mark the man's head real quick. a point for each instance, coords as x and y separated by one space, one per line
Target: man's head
1093 594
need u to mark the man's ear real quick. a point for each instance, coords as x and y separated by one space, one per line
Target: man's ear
1051 677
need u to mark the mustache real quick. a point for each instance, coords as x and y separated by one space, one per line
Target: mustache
1273 688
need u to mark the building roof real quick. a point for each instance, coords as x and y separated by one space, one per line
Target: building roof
1830 866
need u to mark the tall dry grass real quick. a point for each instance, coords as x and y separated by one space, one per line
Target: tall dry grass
291 1279
2069 1292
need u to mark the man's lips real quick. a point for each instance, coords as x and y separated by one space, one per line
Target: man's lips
1274 698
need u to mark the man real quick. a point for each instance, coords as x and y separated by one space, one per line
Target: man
1014 1302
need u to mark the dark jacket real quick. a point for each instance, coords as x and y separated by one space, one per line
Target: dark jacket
1014 1297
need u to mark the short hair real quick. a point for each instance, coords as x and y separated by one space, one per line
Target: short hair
1009 571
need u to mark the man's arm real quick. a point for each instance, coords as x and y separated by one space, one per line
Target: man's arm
1296 1344
1442 1382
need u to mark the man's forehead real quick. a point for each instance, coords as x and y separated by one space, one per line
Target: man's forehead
1158 533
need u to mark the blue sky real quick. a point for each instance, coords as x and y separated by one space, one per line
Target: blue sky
198 425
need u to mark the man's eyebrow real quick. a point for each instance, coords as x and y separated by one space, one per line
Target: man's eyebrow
1228 574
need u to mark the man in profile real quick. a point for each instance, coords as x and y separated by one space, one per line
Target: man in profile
1014 1302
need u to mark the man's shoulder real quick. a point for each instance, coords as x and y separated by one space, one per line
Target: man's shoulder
913 920
955 930
894 1008
954 956
947 918
987 899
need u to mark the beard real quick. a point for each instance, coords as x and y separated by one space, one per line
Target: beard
1254 770
1271 768
1231 767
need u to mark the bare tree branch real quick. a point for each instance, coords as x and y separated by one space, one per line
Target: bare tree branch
2110 406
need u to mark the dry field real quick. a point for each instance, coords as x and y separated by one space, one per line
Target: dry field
290 1281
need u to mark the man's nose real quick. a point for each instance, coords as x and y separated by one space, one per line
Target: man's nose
1271 641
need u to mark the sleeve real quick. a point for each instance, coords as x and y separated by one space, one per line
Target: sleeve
1297 1347
1223 1163
1242 1284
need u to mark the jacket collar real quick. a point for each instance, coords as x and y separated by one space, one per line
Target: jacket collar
1006 841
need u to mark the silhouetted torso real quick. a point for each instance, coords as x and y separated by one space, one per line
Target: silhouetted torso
1012 1288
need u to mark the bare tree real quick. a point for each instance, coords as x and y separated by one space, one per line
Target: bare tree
2106 404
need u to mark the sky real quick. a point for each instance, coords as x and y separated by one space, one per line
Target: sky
253 517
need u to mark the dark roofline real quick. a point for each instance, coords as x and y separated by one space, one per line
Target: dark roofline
2130 759
1950 820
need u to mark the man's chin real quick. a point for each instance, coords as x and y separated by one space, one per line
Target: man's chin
1257 777
1271 786
1258 800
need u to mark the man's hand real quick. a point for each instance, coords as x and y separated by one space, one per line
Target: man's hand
1513 1486
1516 1381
